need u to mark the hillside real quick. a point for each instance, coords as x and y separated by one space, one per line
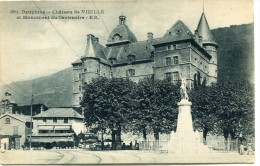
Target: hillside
235 61
53 91
236 52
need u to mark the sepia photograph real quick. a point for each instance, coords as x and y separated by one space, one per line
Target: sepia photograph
127 82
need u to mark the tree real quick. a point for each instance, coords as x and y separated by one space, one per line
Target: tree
155 108
107 102
225 107
236 113
204 109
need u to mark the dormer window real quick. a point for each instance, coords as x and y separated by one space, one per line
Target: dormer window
112 60
171 47
116 37
178 31
130 58
152 55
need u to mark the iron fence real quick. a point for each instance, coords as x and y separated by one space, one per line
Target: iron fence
212 145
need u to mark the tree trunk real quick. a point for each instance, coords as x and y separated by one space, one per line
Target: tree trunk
144 134
226 134
113 135
156 135
205 132
118 139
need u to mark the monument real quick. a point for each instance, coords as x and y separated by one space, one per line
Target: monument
185 140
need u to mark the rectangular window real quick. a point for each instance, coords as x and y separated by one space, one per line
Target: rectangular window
168 76
85 70
55 120
79 76
80 88
175 76
44 119
175 60
15 130
79 98
168 61
130 72
66 120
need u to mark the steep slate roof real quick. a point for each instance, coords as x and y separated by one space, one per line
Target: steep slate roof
204 30
94 49
23 118
123 31
59 112
179 31
141 51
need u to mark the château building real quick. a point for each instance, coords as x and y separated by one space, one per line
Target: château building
177 52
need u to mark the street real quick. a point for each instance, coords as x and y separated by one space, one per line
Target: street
80 156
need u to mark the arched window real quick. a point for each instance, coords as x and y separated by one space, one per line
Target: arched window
7 121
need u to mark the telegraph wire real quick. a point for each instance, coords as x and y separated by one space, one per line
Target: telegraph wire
58 31
101 17
18 86
13 89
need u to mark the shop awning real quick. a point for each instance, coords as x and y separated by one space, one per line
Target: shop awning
45 127
62 128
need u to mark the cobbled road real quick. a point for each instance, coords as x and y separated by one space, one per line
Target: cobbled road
80 156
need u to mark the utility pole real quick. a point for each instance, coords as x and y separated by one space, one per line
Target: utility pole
30 142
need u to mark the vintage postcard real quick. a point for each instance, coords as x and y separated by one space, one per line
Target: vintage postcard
127 82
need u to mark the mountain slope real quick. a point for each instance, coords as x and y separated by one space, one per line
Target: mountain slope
235 62
53 91
235 52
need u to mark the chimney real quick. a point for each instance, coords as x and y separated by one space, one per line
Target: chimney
42 109
122 20
149 37
200 40
90 36
196 36
82 111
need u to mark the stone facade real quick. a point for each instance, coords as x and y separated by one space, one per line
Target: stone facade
14 130
177 52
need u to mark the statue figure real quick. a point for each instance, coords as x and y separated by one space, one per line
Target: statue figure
183 89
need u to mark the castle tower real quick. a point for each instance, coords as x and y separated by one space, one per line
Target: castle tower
91 59
77 83
207 41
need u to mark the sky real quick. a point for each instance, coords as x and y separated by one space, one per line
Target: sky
34 48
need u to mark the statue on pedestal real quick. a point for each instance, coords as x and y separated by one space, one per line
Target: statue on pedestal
183 89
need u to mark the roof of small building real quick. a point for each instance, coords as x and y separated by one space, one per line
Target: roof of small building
59 112
23 118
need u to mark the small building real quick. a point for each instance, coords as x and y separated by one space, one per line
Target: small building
57 125
14 130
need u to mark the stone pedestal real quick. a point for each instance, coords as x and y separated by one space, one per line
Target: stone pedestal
185 140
